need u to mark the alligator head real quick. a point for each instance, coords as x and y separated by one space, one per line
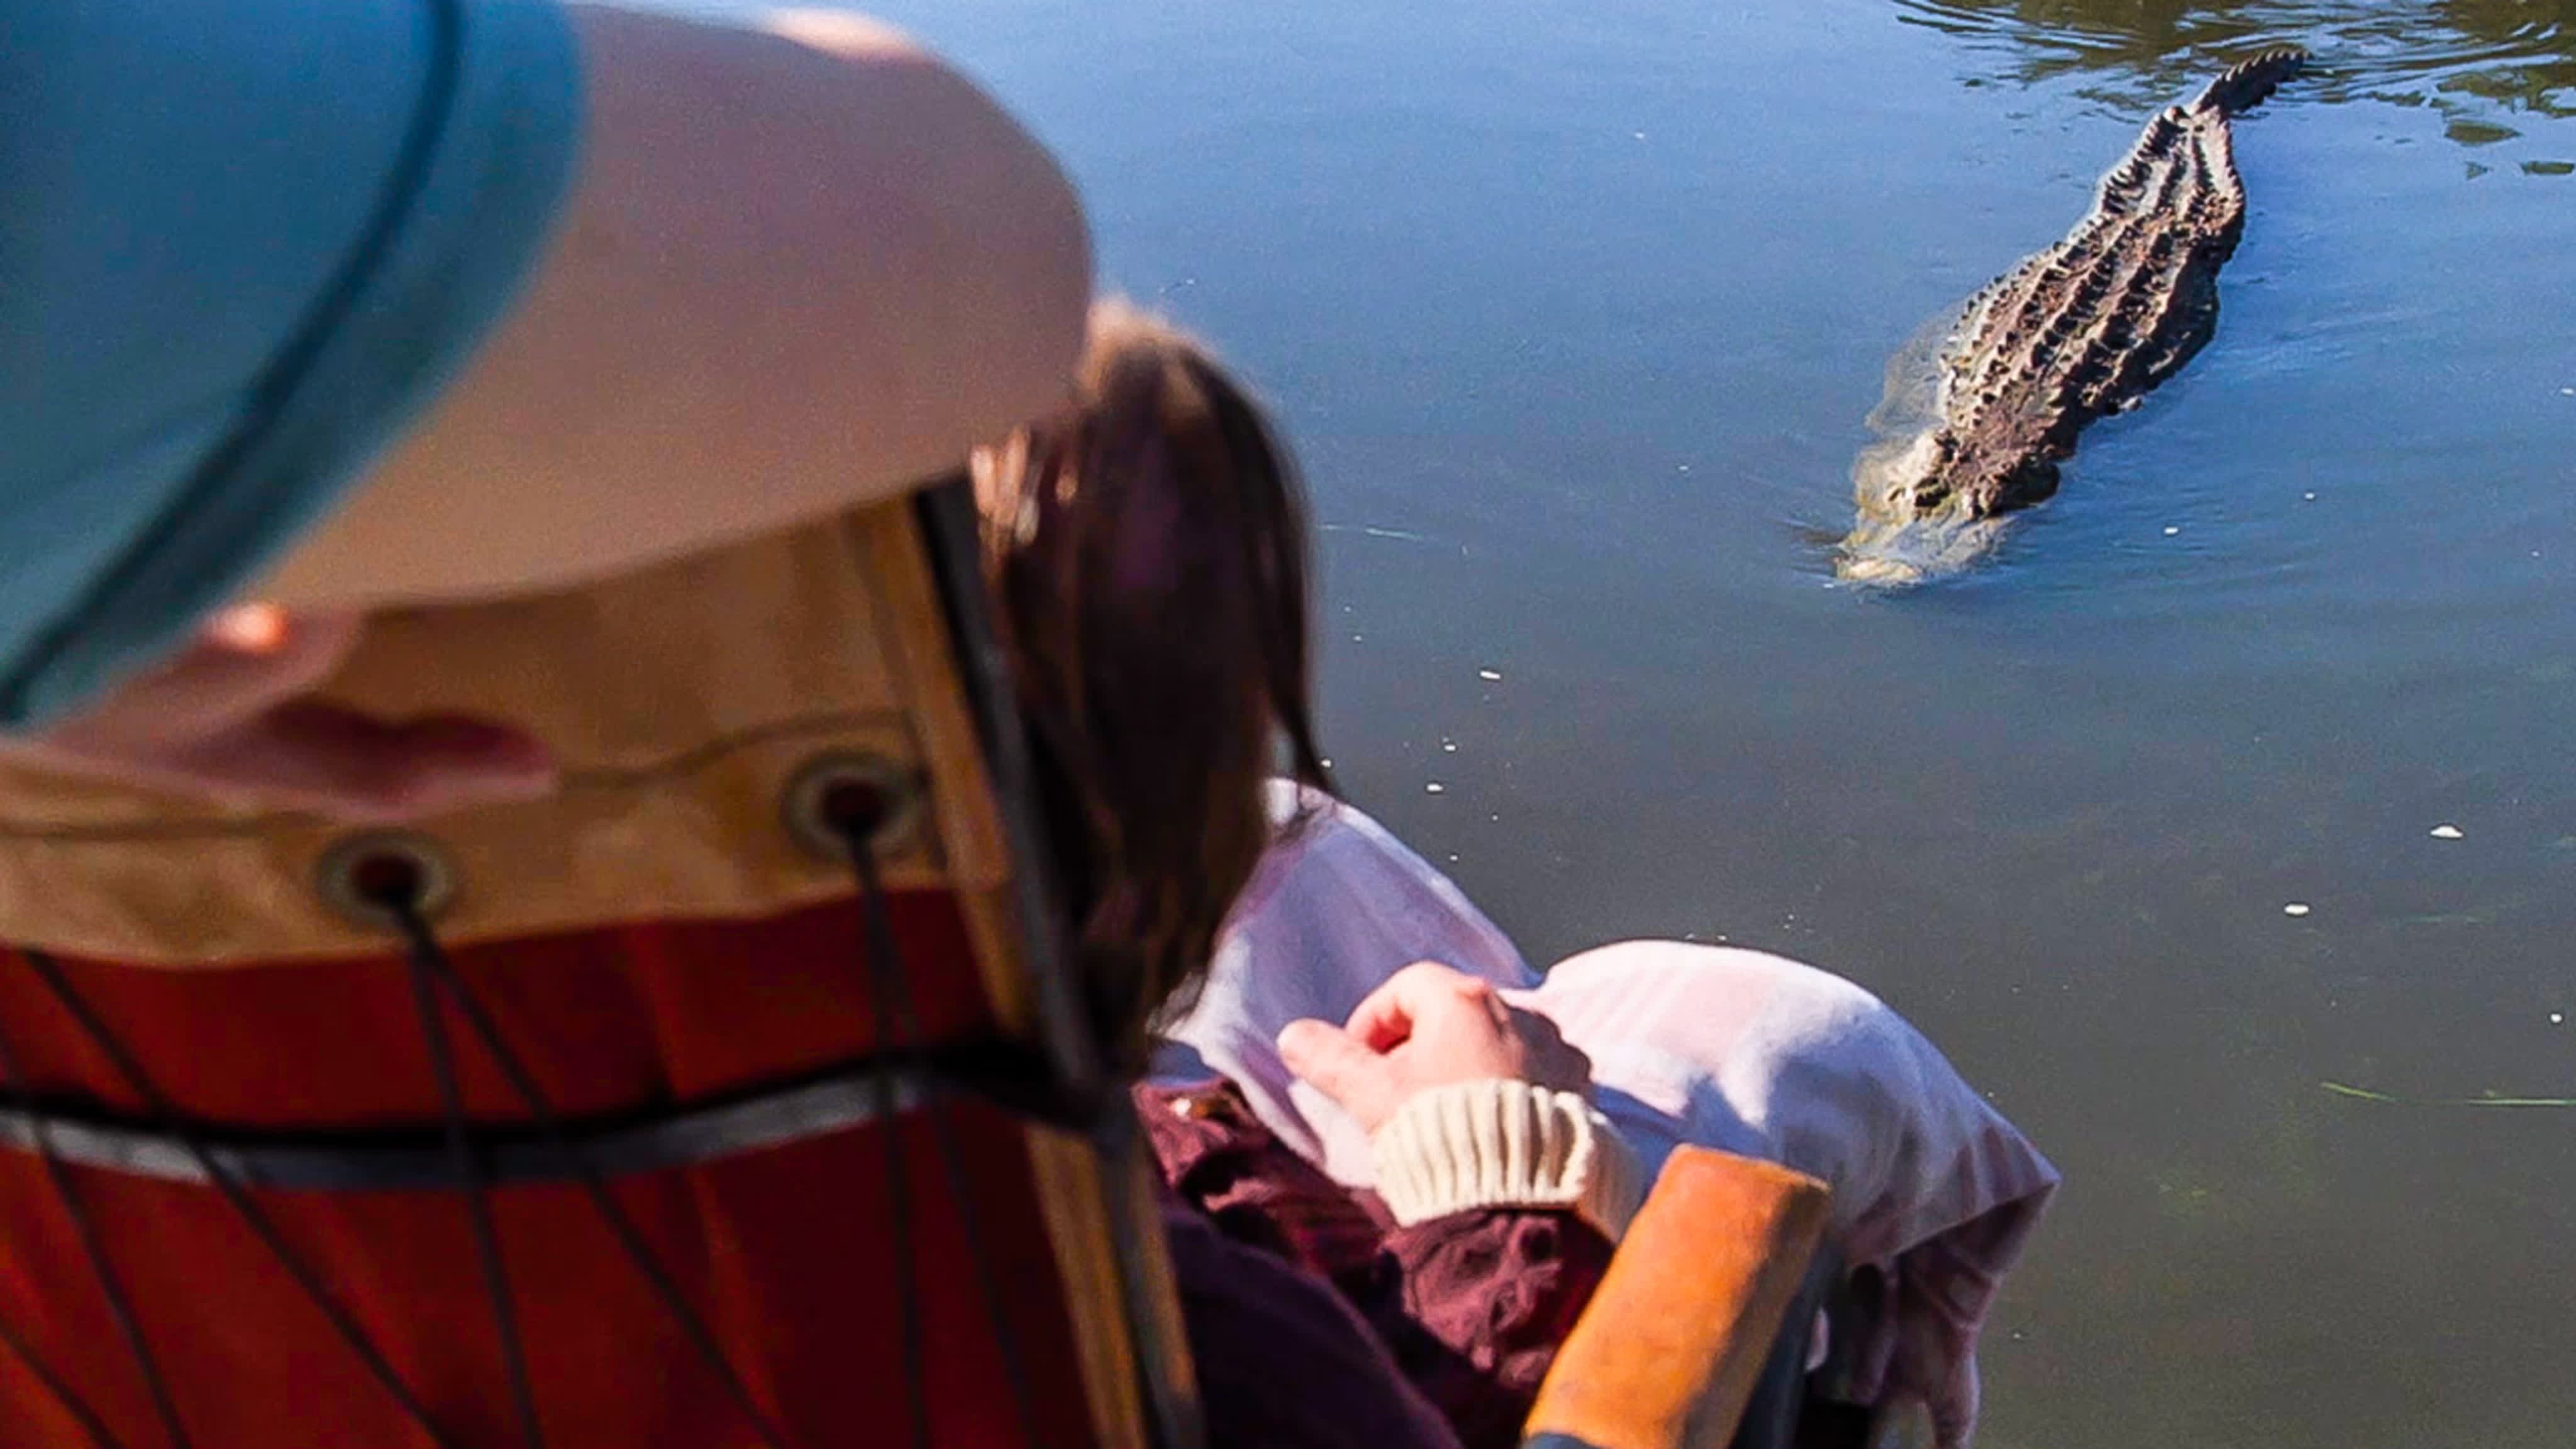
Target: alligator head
1930 504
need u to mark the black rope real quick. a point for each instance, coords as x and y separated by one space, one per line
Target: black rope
907 1287
434 960
50 973
890 992
914 1356
81 1413
119 1306
470 1172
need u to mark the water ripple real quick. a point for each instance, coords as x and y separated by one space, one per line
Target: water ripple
2477 62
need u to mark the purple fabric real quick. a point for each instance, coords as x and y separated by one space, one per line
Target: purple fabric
1283 1362
1469 1308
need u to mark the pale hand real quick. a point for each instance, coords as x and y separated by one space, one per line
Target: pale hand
232 718
1428 1026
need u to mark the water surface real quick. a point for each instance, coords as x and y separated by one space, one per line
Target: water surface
1575 313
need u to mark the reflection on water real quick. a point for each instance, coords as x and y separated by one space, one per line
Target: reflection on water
2481 63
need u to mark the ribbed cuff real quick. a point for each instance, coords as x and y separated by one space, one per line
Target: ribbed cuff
1501 1143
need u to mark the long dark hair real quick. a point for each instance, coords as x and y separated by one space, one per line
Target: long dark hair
1148 549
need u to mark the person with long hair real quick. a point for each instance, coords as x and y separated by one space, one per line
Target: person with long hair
1146 544
1253 934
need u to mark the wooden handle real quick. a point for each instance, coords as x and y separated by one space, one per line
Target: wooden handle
1669 1350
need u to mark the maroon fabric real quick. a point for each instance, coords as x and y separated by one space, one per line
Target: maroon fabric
1469 1308
786 1253
610 1018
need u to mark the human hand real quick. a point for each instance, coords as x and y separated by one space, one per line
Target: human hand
1428 1026
232 717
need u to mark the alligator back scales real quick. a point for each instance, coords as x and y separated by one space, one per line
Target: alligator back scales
2087 327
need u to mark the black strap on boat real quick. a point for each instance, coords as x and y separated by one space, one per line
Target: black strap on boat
71 1402
854 810
397 892
101 1269
244 1206
898 1178
404 905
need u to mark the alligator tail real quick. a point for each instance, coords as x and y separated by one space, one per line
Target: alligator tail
2244 85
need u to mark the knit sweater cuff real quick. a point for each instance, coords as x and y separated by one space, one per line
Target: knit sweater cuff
1501 1143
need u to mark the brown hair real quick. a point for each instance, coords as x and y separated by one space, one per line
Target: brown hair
1148 549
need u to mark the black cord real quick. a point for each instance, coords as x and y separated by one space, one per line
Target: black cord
469 1170
25 1352
51 974
81 1413
890 990
119 1306
907 1287
631 1240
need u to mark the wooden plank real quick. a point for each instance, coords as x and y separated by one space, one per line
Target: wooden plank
1668 1353
1097 1193
912 629
1070 1192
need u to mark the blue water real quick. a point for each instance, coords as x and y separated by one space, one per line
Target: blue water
1575 313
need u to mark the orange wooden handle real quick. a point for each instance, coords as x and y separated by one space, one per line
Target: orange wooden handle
1667 1354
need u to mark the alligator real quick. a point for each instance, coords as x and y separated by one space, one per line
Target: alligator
2085 328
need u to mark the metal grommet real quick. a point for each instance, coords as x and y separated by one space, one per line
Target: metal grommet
370 880
850 795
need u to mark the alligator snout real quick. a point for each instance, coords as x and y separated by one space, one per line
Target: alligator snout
1878 571
1892 553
